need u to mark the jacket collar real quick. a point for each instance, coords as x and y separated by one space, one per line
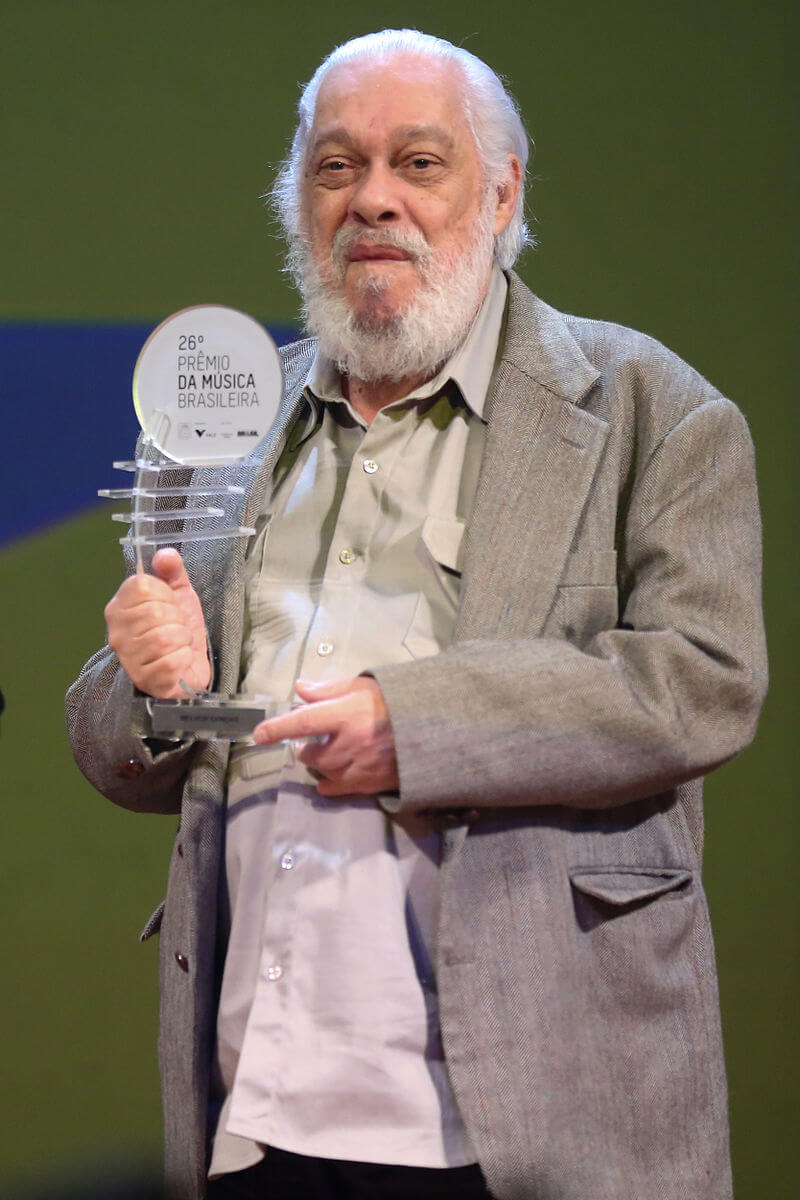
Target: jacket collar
538 342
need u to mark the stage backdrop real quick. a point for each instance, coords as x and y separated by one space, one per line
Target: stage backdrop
137 140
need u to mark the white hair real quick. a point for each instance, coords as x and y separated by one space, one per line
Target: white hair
491 112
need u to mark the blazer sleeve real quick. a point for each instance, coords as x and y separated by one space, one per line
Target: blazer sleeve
110 748
667 694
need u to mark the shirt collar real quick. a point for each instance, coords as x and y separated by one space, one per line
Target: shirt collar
470 367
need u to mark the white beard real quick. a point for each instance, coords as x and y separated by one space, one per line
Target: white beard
417 339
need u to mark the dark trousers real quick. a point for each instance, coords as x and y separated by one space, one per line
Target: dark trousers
284 1176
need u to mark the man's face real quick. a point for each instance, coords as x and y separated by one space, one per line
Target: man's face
393 174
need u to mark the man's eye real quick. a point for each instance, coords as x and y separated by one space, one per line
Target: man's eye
420 163
334 166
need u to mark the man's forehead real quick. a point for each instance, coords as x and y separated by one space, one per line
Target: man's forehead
405 93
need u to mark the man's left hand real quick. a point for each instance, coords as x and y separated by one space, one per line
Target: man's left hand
358 757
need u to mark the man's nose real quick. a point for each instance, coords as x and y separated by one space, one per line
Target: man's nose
375 199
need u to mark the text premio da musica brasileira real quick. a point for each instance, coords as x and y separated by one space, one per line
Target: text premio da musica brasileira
213 381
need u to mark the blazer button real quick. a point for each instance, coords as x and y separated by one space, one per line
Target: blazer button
182 961
180 849
131 769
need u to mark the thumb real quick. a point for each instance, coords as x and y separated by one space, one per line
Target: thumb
168 566
309 691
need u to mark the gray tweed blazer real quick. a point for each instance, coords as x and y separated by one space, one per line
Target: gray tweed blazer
608 653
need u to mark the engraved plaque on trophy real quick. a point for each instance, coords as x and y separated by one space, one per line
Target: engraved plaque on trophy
206 389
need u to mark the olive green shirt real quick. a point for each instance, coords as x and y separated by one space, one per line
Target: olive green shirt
328 1041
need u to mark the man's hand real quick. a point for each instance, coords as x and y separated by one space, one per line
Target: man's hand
358 757
156 629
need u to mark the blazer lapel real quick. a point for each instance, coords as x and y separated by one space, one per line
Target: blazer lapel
541 455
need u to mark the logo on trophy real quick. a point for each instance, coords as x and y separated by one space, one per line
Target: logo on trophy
207 388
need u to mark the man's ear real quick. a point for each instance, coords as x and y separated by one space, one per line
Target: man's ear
507 193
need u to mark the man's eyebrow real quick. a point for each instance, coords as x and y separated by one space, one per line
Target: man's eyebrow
339 136
432 133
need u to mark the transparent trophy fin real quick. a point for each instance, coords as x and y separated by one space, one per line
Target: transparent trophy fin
207 389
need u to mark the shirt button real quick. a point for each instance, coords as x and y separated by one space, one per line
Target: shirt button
324 649
274 973
370 466
287 862
347 556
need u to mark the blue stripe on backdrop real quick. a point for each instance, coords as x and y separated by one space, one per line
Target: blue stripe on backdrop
67 412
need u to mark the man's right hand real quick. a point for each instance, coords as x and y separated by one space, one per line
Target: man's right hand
156 629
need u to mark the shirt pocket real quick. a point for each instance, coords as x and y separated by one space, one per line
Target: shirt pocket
440 550
254 559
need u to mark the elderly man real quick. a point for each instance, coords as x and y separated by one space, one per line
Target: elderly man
509 563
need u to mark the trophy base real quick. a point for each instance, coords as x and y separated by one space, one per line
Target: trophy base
209 716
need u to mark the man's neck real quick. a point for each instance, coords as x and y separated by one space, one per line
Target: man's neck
369 398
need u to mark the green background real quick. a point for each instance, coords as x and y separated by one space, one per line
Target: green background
136 141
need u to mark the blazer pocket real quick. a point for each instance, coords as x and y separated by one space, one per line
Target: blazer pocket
586 600
583 611
440 549
596 569
153 924
620 887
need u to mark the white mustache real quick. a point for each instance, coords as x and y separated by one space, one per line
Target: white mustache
410 243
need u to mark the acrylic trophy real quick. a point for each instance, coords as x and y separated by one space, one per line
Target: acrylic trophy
206 388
